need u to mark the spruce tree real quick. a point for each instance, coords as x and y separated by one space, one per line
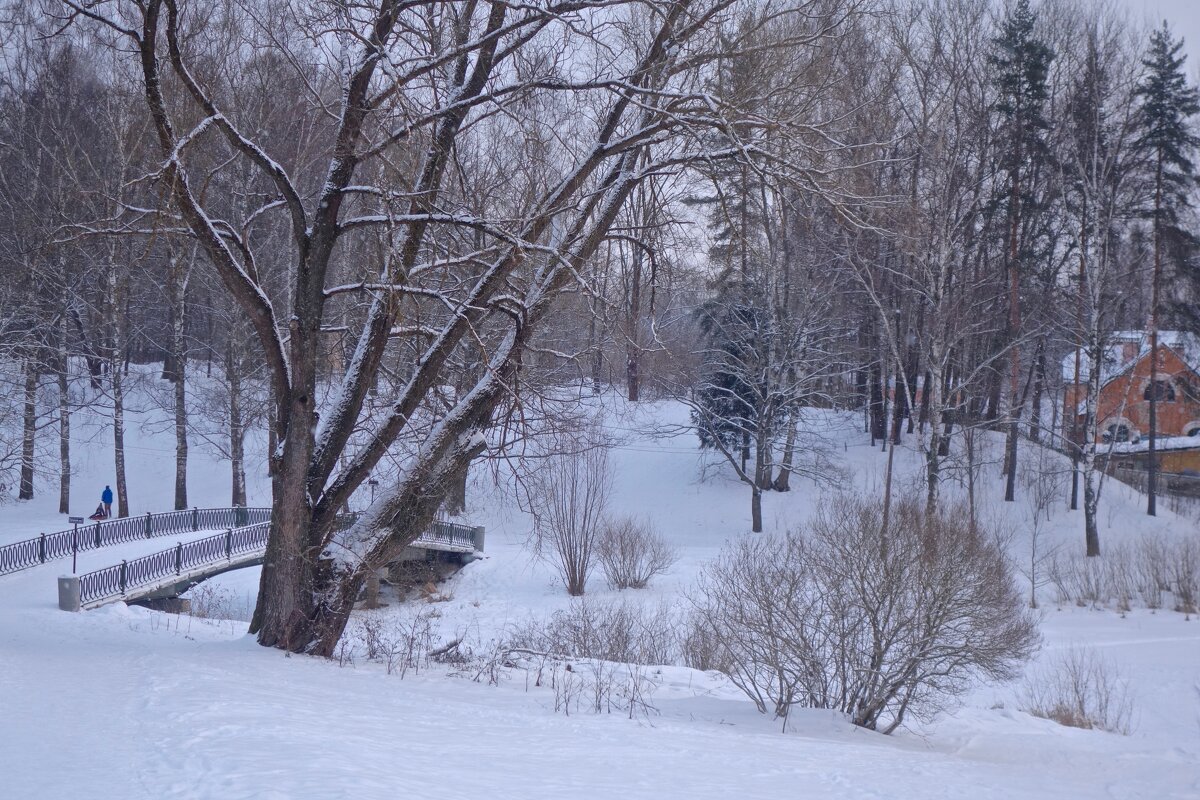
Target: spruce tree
1168 103
1021 62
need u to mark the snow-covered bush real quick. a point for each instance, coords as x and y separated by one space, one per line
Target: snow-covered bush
1081 689
876 623
632 553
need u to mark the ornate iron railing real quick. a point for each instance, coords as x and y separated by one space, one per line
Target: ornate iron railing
49 546
440 531
452 533
215 551
180 560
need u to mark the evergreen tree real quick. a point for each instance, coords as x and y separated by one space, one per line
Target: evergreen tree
1021 62
1168 103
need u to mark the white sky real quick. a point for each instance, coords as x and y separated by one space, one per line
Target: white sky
1184 16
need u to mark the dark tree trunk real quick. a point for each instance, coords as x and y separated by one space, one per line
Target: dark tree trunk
756 521
64 423
178 373
28 429
118 321
633 347
456 497
1152 449
1039 385
878 409
783 479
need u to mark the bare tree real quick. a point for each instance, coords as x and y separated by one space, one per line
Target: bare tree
569 495
1103 166
412 97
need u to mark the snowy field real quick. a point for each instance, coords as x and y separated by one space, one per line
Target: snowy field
127 703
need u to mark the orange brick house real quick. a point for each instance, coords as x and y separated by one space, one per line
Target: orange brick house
1123 407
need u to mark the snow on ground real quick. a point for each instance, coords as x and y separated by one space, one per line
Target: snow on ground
124 702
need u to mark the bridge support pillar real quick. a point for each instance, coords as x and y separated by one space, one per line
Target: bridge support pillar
68 593
478 538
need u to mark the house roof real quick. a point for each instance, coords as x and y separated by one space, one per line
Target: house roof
1161 443
1186 345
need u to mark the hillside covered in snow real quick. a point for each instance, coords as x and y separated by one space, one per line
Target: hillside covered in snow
136 703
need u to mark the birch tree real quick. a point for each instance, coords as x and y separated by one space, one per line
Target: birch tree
1103 168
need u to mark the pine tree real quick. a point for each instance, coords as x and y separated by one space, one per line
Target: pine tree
1168 102
1021 63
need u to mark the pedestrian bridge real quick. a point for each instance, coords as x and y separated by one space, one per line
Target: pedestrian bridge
173 570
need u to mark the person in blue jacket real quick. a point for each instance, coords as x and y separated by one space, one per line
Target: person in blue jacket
106 498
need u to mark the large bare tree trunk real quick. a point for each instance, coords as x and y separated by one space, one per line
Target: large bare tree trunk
118 320
1039 385
64 420
272 432
1091 483
181 443
456 497
1155 280
1014 332
633 347
784 478
28 428
756 519
177 357
762 456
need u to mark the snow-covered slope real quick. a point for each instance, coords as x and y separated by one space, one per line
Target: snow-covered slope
123 702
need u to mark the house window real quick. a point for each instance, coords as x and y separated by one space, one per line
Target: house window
1193 430
1116 433
1162 390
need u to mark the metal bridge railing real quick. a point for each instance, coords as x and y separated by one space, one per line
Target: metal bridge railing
117 580
110 583
50 546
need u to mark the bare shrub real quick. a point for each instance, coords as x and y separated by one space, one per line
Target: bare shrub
699 645
568 497
1185 574
1144 571
1154 569
1043 480
619 632
632 553
877 624
209 601
760 623
1080 689
1079 580
401 642
1121 573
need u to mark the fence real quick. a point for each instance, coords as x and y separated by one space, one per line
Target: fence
176 561
49 546
452 533
218 552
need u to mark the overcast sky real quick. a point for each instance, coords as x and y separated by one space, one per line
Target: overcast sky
1184 16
